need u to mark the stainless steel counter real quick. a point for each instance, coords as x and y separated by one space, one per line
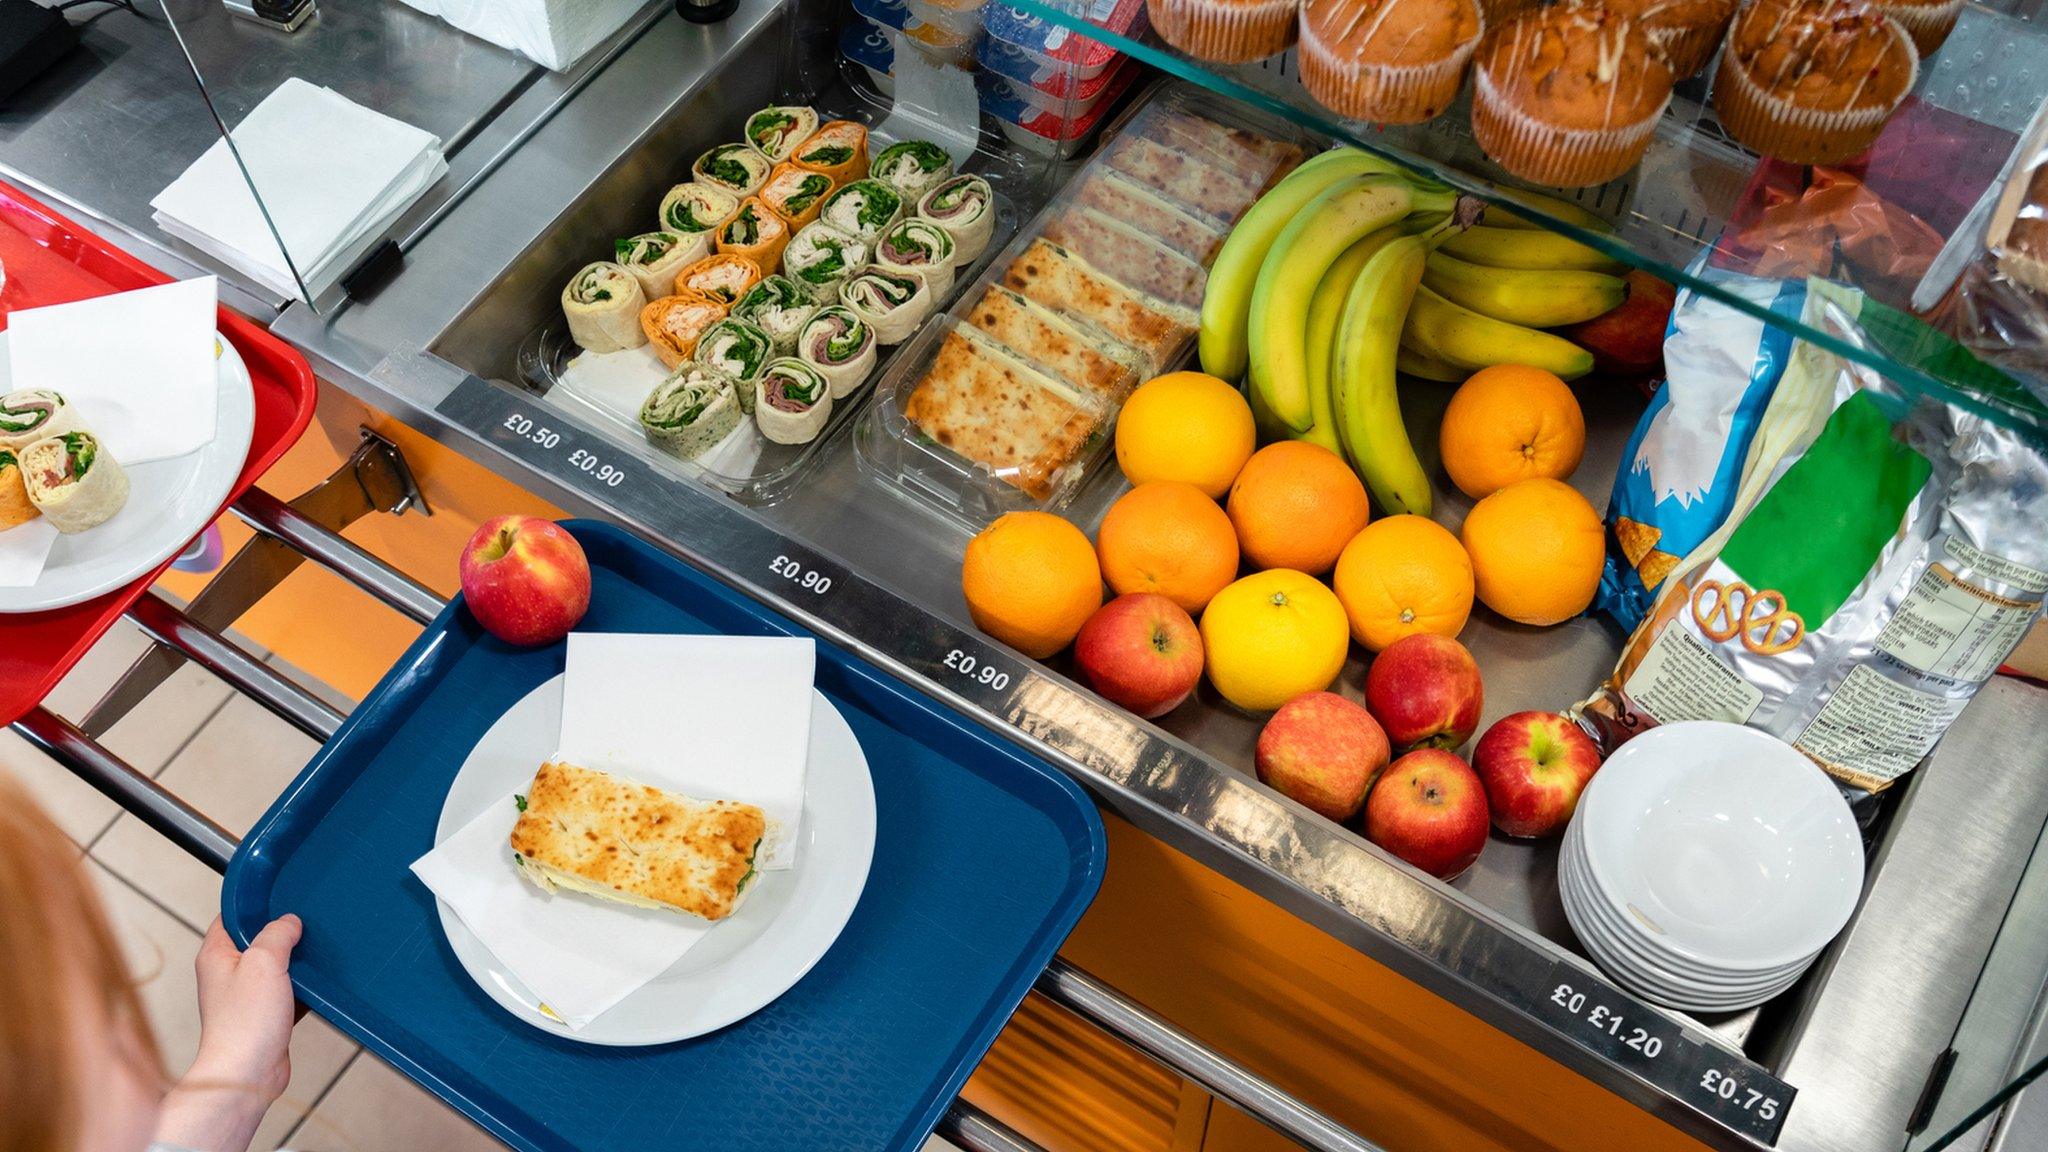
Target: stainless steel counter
427 347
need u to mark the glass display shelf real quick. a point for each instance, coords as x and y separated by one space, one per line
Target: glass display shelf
1699 205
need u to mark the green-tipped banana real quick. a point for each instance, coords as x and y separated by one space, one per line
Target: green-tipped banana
1226 303
1464 339
1420 364
1564 210
1527 248
1301 256
1532 299
1368 408
1325 309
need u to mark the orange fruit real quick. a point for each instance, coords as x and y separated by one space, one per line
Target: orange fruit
1031 581
1536 549
1273 636
1168 537
1507 423
1296 505
1402 575
1185 426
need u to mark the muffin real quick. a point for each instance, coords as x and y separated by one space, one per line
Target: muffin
1225 31
1812 81
1684 32
1498 12
1568 95
1927 23
1388 61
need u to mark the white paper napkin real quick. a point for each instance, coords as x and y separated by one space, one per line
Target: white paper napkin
712 717
618 948
23 552
139 366
552 33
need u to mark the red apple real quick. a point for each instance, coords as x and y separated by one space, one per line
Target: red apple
1141 651
1534 765
1628 339
1424 690
525 579
1430 810
1324 751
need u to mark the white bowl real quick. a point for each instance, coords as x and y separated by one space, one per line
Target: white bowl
1652 986
1724 844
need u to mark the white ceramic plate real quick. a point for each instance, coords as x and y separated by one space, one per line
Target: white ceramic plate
169 502
786 925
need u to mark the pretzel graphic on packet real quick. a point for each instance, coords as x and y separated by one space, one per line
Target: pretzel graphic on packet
1762 620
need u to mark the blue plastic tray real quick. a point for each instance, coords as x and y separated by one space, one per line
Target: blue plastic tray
984 858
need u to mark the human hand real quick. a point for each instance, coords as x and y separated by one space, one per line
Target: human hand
246 1012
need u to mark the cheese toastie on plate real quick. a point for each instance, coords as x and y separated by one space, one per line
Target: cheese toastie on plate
591 832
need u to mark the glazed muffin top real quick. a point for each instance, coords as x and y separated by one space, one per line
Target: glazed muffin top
1575 65
1674 15
1392 32
1824 55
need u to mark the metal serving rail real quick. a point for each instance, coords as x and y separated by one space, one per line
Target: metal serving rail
192 831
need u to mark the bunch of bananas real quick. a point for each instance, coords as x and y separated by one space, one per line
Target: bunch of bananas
1353 268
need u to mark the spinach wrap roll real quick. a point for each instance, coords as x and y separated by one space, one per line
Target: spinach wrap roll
602 304
738 349
965 207
778 306
696 212
891 303
918 245
654 258
34 414
692 411
796 193
839 150
822 258
724 277
777 130
864 208
74 482
912 167
675 323
756 233
16 508
792 401
841 346
737 168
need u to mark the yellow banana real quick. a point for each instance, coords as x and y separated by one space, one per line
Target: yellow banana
1527 248
1226 303
1465 339
1531 299
1415 362
1301 255
1564 210
1368 408
1325 309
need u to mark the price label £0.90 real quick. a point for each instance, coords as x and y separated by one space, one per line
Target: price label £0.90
522 426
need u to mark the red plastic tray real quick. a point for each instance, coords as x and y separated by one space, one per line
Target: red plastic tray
51 260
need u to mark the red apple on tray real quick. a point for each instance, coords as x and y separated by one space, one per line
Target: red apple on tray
1324 752
525 579
1425 691
1429 809
1141 651
1628 339
1534 765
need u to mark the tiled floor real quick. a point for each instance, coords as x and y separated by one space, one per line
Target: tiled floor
229 758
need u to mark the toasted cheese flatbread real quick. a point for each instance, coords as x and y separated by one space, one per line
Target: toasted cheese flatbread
1067 284
1139 261
1204 185
605 836
1092 361
1238 149
1122 198
992 408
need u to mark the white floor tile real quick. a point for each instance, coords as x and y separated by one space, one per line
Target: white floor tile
375 1109
77 807
150 735
319 1053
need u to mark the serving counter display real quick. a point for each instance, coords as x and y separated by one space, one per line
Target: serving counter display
859 534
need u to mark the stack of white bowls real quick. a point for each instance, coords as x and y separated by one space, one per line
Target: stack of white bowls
1707 866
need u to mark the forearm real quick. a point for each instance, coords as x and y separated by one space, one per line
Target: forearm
210 1115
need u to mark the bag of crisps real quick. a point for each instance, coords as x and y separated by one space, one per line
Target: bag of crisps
1858 594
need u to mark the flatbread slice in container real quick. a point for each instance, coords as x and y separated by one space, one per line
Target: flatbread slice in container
994 409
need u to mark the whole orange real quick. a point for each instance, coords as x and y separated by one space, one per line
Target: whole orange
1507 423
1171 538
1031 581
1185 426
1402 575
1536 550
1296 505
1273 636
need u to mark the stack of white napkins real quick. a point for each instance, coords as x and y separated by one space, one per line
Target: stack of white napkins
333 174
710 717
552 33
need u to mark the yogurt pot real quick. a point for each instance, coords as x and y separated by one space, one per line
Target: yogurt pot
1019 103
1045 50
961 18
1010 63
1046 134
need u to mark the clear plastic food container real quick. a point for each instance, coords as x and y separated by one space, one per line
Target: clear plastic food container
1048 131
960 19
1033 50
